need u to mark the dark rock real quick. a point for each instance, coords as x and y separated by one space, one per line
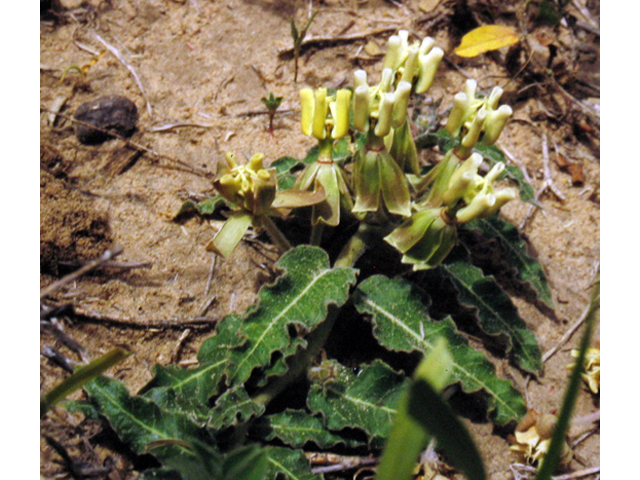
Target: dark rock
113 113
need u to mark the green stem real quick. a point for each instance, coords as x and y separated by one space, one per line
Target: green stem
276 236
354 249
316 234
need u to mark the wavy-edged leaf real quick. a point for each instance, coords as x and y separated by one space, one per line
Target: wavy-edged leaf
189 389
290 463
496 313
366 401
205 207
233 406
485 39
515 253
296 428
138 422
401 323
299 298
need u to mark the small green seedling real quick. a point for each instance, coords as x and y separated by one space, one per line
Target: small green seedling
298 37
84 69
272 103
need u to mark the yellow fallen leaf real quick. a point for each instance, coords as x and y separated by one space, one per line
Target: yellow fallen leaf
486 38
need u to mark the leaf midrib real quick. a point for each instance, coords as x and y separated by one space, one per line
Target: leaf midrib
515 336
421 342
282 313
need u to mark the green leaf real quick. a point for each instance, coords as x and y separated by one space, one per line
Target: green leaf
189 389
514 253
206 207
299 298
138 421
493 154
84 407
297 427
290 463
426 406
401 323
233 406
408 437
496 312
247 463
366 401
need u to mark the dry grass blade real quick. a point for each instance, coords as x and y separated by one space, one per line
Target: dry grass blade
128 66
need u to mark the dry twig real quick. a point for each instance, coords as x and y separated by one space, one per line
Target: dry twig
565 338
547 183
128 66
321 40
55 286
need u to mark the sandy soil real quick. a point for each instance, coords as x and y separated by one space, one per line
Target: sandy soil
206 65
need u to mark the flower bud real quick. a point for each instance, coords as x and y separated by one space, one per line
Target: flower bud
359 78
385 82
411 67
361 108
495 122
403 90
471 138
320 113
306 110
383 127
426 45
456 116
471 165
477 208
340 113
428 64
394 51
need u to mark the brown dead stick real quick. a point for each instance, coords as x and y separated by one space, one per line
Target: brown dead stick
55 286
322 40
89 315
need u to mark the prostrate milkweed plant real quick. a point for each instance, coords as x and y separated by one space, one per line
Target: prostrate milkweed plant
212 421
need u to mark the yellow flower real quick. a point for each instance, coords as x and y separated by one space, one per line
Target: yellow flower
249 186
591 370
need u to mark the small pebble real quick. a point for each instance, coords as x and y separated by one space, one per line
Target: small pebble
114 113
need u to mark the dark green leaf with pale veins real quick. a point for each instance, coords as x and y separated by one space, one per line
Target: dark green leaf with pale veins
515 253
290 463
300 298
401 323
366 401
496 312
296 428
138 422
